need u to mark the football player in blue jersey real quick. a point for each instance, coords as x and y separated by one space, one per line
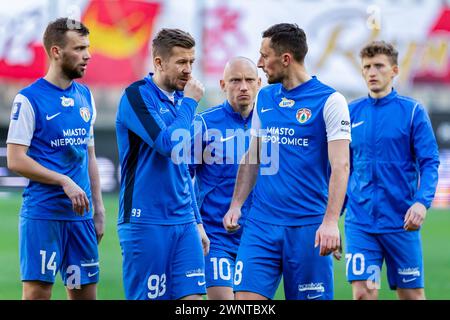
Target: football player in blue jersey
51 142
159 225
393 147
223 134
292 227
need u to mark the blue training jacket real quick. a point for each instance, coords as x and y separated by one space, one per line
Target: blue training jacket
154 189
393 144
221 138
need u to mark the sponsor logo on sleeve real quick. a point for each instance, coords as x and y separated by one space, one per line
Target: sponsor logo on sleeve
16 110
345 126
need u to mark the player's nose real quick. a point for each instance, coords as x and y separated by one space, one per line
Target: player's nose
243 86
87 55
187 69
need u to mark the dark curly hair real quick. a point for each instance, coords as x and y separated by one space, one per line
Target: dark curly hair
380 47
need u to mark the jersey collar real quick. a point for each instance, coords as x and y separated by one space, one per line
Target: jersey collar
51 85
149 80
302 87
229 109
384 100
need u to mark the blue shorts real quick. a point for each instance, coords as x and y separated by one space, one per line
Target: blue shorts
161 262
51 246
219 268
269 251
402 251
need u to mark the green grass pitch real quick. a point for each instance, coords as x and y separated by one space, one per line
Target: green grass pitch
435 239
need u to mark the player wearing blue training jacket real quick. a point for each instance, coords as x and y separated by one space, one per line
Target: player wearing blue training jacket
158 232
393 147
51 142
221 137
302 131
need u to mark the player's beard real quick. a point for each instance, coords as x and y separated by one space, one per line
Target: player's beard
275 78
71 71
175 85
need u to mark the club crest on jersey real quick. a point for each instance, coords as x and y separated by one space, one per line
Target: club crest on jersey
67 102
286 103
303 115
85 114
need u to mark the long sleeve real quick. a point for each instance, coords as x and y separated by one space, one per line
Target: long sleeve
141 117
194 204
427 156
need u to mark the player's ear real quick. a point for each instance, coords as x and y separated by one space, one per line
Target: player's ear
395 70
55 52
259 82
286 59
157 63
222 84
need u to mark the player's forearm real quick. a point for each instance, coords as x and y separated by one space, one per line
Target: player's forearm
94 178
247 174
245 181
167 138
337 190
31 169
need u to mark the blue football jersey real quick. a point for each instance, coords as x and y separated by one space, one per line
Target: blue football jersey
221 138
295 127
56 124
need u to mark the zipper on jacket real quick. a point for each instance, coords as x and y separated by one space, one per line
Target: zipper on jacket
375 107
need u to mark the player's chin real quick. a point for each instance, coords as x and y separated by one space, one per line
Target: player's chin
374 87
79 73
272 79
244 101
82 69
181 83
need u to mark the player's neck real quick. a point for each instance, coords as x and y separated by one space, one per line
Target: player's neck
244 111
158 80
295 76
380 94
58 78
